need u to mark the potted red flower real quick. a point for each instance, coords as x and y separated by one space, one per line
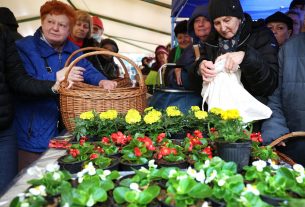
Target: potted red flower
137 153
196 146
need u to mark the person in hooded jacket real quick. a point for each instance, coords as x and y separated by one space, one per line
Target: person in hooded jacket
253 51
105 63
199 28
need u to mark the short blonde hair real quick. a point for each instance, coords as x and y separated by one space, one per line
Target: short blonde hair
84 17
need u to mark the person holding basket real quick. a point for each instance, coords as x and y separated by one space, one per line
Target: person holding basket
43 55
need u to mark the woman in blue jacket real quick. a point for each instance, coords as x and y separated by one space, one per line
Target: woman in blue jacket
43 55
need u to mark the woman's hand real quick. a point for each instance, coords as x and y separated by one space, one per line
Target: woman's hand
108 84
233 60
207 71
178 76
60 76
76 74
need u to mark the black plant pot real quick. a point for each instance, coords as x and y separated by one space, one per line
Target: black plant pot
178 135
73 167
238 152
183 164
272 200
215 203
124 166
114 165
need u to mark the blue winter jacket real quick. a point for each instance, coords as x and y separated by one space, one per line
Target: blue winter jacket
36 119
288 100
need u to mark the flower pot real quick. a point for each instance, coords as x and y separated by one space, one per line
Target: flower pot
125 166
115 162
272 200
72 167
178 135
117 155
182 164
215 203
238 152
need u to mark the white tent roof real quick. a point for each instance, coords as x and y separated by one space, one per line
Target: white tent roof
137 26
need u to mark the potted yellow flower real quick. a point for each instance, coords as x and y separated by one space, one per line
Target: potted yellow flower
231 136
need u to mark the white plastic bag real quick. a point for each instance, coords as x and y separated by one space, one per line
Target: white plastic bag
226 91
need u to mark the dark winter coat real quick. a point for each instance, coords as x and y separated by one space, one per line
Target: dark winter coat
259 68
13 78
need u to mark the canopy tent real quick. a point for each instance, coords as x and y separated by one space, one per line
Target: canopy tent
256 8
138 26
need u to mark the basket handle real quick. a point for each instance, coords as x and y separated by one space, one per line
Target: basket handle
126 75
287 136
105 52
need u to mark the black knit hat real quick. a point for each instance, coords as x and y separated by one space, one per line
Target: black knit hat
220 8
110 42
181 28
296 2
280 17
7 17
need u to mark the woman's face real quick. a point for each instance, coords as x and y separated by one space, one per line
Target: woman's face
183 40
280 31
202 27
162 58
55 28
227 26
80 30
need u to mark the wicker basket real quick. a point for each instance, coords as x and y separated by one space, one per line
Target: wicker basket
291 135
122 82
82 97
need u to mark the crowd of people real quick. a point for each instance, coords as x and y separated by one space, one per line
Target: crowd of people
268 54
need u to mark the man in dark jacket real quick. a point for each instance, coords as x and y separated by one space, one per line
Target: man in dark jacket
14 78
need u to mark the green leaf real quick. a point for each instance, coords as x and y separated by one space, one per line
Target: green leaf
185 185
146 196
200 191
119 194
98 194
107 185
132 196
230 166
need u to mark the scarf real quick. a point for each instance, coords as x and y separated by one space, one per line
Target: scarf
230 45
78 43
177 54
